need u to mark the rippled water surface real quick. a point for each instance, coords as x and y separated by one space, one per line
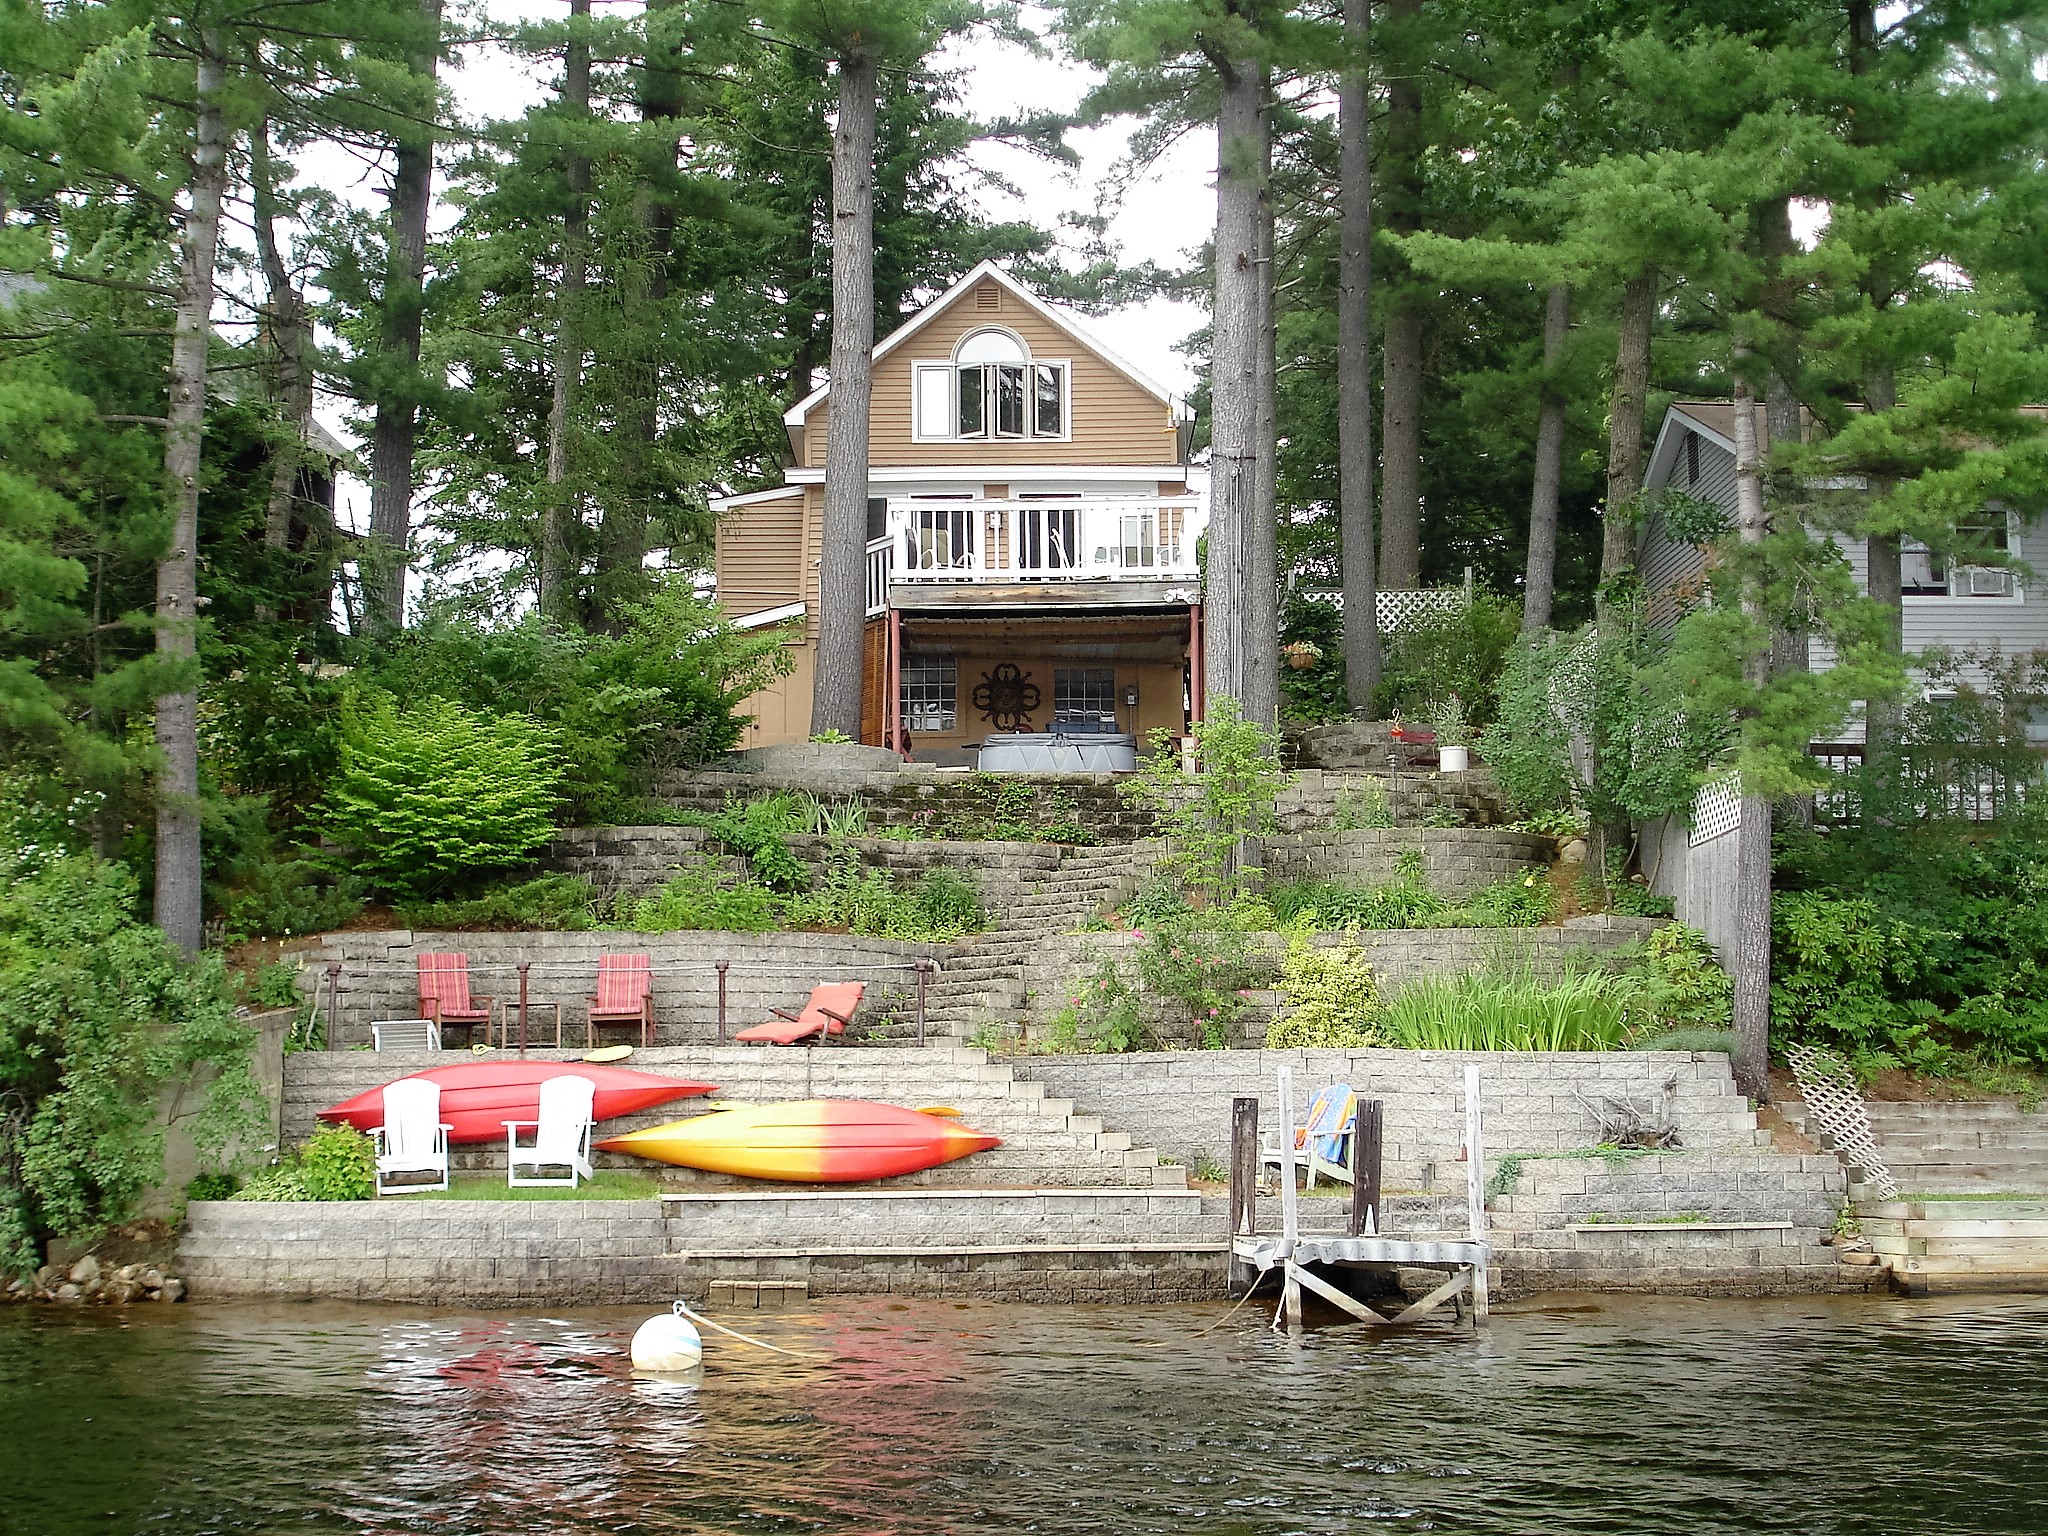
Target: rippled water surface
1609 1414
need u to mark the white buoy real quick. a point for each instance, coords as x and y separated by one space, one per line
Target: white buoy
669 1342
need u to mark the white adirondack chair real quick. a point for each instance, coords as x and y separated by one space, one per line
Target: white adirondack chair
412 1139
561 1136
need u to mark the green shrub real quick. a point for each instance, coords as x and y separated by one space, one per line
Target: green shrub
1203 972
1103 1014
1361 808
699 897
1683 987
1510 1010
212 1186
277 985
550 902
290 897
1456 652
1722 1040
1333 998
1520 901
440 791
98 1015
759 829
338 1162
279 1185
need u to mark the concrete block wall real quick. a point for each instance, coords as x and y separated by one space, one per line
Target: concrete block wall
1313 796
1456 861
919 798
613 1252
380 975
1179 1102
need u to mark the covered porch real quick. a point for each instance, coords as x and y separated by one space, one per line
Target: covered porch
953 677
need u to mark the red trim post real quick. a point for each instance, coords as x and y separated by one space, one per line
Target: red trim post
892 706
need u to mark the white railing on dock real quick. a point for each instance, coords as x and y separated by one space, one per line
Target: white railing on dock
1044 538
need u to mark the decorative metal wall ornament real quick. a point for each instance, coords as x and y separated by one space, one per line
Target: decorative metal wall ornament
1006 697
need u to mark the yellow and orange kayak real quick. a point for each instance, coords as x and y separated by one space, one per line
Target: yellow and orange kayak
809 1141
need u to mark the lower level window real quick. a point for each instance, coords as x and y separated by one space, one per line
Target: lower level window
931 700
1084 693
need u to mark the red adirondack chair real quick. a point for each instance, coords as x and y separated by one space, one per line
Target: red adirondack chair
828 1012
624 997
444 997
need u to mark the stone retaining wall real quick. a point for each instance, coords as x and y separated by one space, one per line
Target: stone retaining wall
380 976
1179 1102
918 796
599 1252
1456 861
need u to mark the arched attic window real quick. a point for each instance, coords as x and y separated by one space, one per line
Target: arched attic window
991 388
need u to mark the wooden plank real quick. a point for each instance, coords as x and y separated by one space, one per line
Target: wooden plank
1475 1156
1966 1264
1244 1184
1335 1297
1367 1146
1436 1298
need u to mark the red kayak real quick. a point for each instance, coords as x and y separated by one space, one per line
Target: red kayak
478 1097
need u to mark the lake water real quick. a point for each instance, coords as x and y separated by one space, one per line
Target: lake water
1573 1414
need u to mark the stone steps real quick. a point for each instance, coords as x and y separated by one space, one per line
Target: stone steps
1045 1141
1971 1146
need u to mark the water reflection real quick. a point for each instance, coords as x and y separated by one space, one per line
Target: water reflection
1615 1415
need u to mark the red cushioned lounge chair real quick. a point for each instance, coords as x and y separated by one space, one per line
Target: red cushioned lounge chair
624 997
828 1012
444 997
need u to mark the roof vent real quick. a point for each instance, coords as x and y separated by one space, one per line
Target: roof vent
985 296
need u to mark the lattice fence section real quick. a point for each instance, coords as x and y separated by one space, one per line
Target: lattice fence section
1402 610
1836 1107
1716 811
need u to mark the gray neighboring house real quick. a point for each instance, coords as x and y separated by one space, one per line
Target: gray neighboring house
1945 604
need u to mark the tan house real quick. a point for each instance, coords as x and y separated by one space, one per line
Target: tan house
1031 537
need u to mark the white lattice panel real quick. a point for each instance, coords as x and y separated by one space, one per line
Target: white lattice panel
1399 610
1716 811
1836 1107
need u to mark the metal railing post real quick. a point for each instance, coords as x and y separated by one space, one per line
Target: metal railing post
921 970
722 966
333 988
522 1005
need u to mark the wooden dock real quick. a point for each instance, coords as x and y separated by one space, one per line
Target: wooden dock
1305 1258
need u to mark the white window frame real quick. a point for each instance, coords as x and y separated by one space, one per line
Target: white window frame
925 369
2016 589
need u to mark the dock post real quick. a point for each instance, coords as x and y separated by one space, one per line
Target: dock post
1365 1171
1244 1186
1475 1186
1290 1214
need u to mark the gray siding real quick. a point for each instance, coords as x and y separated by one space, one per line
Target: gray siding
1666 563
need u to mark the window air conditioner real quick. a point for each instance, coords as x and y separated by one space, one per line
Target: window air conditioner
1988 581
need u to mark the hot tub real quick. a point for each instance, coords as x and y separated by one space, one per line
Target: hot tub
1059 752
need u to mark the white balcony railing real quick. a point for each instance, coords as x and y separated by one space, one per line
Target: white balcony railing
878 576
1050 539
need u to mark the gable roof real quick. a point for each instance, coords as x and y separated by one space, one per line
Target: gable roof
797 414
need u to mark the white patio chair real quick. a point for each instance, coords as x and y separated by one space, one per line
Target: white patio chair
1327 1145
412 1139
561 1136
405 1035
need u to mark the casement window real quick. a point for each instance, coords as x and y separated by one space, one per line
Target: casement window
991 390
1926 573
931 700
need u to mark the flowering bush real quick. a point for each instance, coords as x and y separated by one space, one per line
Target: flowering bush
1204 972
1101 1015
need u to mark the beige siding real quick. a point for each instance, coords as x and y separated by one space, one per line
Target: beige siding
1114 421
782 711
757 555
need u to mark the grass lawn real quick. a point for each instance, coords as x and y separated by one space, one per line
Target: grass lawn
610 1184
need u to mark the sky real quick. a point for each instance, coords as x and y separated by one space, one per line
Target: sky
1162 215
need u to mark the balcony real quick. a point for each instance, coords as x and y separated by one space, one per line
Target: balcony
931 540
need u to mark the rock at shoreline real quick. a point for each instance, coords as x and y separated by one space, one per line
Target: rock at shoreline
85 1272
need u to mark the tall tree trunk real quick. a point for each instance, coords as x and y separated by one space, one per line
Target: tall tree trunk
1753 831
1262 566
291 343
562 519
1541 579
395 432
1400 567
1884 579
1355 521
1628 398
1233 369
842 563
177 897
622 535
